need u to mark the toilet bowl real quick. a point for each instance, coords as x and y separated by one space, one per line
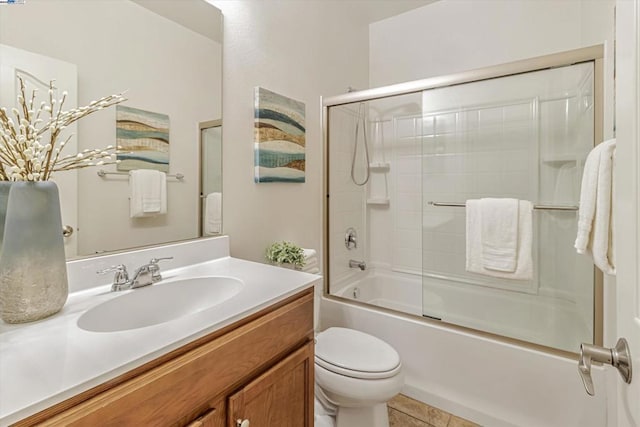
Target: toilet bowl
356 374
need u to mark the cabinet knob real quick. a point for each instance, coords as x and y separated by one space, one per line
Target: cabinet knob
242 423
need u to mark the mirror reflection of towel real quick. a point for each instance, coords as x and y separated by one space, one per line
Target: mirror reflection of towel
147 193
213 214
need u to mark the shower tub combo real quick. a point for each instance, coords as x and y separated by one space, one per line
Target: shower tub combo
400 163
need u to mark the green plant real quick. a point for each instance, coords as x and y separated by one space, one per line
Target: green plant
285 253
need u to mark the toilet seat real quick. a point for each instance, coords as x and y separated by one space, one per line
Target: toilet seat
355 354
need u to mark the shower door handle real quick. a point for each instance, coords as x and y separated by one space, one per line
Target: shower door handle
619 357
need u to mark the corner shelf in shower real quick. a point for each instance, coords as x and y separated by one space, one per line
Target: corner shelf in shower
379 166
379 201
560 159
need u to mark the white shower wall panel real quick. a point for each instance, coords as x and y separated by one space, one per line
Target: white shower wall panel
347 199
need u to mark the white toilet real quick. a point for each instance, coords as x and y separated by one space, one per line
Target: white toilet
356 374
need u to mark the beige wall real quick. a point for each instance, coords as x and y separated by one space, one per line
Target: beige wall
302 50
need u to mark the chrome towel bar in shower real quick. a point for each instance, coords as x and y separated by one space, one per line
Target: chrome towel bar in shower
541 207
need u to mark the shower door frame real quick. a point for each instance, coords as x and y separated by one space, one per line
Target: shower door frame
593 54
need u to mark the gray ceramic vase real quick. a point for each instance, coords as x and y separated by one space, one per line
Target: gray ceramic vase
33 270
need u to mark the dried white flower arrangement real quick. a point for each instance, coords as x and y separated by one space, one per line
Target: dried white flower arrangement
23 154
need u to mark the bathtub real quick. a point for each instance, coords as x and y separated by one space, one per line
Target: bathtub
478 377
547 321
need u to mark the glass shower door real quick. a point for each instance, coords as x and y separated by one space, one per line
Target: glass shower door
525 137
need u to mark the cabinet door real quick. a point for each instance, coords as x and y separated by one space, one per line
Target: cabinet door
214 417
282 396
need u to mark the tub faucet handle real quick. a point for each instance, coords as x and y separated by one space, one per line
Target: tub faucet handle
351 238
618 356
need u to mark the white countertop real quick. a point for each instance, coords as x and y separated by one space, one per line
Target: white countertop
46 362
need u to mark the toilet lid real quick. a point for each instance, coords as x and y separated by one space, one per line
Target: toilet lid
356 354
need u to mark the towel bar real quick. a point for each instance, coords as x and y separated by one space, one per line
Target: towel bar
102 173
540 207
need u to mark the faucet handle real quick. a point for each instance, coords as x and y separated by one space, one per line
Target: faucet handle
120 278
156 260
155 269
120 269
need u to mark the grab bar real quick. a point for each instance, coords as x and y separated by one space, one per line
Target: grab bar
541 207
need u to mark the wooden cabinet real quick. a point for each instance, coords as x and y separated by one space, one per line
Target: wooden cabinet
214 417
260 368
282 396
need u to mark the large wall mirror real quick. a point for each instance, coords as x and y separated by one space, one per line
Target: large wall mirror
167 56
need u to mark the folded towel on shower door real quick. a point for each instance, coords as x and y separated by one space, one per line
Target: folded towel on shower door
595 224
499 238
147 193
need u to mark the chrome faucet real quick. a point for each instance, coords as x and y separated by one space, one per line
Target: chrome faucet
120 279
143 276
357 264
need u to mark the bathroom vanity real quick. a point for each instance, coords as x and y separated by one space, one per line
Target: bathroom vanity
249 358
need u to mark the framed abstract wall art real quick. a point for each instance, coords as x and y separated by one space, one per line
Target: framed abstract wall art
143 138
279 138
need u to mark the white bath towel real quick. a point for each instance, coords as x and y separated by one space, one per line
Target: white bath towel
213 213
147 193
499 234
475 258
595 228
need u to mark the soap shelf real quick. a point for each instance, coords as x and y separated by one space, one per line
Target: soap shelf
379 166
378 201
560 159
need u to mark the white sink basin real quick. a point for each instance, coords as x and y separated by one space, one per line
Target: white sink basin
159 303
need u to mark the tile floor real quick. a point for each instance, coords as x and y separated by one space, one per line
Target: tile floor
407 412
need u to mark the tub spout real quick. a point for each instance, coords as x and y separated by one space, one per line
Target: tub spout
357 264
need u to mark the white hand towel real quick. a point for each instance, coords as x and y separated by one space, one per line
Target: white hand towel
524 260
499 234
147 193
213 213
594 217
307 268
309 253
313 262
